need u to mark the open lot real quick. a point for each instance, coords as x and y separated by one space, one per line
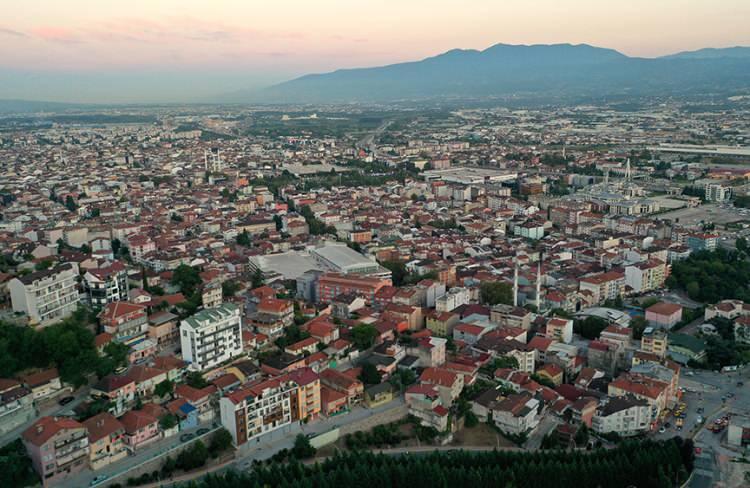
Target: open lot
707 213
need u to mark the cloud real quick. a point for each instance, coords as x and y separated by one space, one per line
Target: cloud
11 32
56 34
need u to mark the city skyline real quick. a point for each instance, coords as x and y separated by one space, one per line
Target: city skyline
139 52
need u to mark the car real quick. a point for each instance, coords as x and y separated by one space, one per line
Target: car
740 383
98 479
186 437
698 450
662 430
667 425
203 431
65 400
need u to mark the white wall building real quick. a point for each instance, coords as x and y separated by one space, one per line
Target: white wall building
46 296
211 336
453 299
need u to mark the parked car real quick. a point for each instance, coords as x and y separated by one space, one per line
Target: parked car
186 437
98 479
65 400
202 431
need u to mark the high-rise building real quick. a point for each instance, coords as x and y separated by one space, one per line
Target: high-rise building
211 336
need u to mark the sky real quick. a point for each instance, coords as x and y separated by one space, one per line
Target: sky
114 51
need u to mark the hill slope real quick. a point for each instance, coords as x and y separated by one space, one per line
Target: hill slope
559 70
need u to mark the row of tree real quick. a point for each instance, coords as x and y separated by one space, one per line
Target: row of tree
644 464
710 276
68 346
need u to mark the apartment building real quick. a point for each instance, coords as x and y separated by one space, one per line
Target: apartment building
455 297
106 284
106 440
560 329
57 446
46 296
211 336
257 409
646 276
604 286
625 415
127 322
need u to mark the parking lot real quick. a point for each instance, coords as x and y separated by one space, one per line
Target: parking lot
710 212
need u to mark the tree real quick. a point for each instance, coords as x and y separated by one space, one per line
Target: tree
302 448
229 288
582 436
398 271
193 457
363 335
370 374
257 279
168 421
42 265
277 220
590 327
220 442
70 204
187 278
243 239
741 244
196 380
638 325
495 292
164 388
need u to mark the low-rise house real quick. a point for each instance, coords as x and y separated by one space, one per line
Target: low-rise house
16 405
117 390
127 322
187 414
448 383
378 395
351 387
552 372
106 440
665 315
517 414
199 398
163 328
424 402
141 429
43 384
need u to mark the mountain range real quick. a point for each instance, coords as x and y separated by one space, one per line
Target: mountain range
524 71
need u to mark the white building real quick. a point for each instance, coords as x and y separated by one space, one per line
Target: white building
211 336
453 299
625 415
46 296
254 410
716 192
517 414
106 284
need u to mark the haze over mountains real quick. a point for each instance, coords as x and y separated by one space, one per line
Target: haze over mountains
547 71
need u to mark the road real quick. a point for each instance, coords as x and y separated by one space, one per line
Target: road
48 408
263 448
368 141
711 391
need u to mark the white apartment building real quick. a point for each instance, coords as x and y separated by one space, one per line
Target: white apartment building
716 192
211 336
46 296
254 410
453 299
625 415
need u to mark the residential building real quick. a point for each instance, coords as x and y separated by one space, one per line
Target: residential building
559 329
604 286
454 298
46 296
141 428
211 337
57 446
517 414
106 440
257 409
331 285
625 415
654 341
127 322
665 315
702 242
16 405
106 284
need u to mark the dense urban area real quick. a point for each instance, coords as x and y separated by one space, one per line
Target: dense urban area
376 295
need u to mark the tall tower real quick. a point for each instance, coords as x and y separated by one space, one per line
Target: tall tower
627 171
515 282
212 160
539 285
